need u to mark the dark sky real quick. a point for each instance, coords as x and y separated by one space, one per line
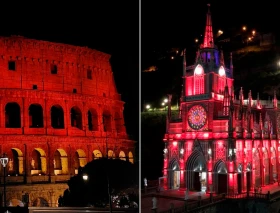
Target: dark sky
176 22
108 26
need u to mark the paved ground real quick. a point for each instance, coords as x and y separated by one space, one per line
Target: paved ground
165 198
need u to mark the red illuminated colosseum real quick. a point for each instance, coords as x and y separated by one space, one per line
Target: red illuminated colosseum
59 109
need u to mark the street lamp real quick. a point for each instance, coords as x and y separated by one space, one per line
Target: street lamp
85 177
4 161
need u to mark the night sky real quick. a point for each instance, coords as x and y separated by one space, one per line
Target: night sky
108 26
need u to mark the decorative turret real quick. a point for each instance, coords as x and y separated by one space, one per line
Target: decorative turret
208 36
240 104
226 101
231 66
259 106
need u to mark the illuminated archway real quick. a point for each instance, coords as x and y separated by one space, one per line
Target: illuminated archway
38 162
111 154
40 202
122 155
15 202
174 177
130 157
97 154
266 166
196 171
15 165
220 177
274 164
80 159
60 162
257 168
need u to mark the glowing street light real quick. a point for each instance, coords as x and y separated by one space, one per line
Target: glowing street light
165 100
244 28
85 177
148 106
220 32
196 40
163 104
253 32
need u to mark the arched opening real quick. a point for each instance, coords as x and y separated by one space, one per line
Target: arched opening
196 172
249 177
38 162
15 202
266 166
35 116
96 154
76 118
60 162
79 159
57 117
92 120
257 168
130 157
273 164
174 177
122 155
107 121
15 164
12 115
111 154
40 202
220 177
118 122
239 179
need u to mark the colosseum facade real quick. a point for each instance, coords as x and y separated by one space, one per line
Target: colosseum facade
59 109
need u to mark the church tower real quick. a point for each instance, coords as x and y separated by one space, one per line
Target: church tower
217 144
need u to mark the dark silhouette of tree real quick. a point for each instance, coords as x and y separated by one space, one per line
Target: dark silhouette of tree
94 190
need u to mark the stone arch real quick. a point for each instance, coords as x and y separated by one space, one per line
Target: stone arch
122 155
273 164
266 162
15 164
118 122
96 154
195 166
35 112
257 168
57 117
130 157
111 154
80 159
15 202
92 119
76 117
40 202
38 162
239 178
220 177
60 162
107 121
12 115
174 174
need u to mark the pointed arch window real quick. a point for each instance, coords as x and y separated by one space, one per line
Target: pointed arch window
198 80
222 79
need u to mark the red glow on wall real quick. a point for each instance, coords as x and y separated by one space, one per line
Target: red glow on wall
231 166
174 143
210 180
231 180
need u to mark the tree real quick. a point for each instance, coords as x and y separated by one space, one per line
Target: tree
94 191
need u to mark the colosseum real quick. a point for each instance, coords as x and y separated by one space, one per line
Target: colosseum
59 109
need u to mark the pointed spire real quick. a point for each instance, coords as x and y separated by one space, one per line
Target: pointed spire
258 101
275 101
249 102
208 36
241 97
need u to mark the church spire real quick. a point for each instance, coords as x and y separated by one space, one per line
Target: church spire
208 36
222 60
226 101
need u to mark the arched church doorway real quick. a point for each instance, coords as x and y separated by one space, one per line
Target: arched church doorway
249 177
221 175
257 168
196 172
273 164
239 179
266 166
174 174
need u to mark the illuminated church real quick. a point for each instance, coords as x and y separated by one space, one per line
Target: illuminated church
220 143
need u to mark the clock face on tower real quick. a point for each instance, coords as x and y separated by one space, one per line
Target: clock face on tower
197 117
